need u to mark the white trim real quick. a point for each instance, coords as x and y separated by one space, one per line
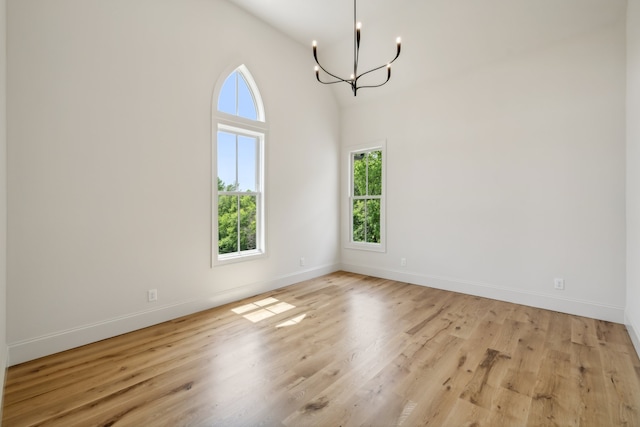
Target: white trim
259 192
225 122
634 332
235 257
23 351
250 127
592 309
4 366
379 145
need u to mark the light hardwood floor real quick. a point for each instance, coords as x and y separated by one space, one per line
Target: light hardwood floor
342 350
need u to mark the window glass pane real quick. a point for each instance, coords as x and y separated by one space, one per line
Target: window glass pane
374 174
248 217
227 98
247 147
227 224
246 103
226 161
359 174
372 221
359 220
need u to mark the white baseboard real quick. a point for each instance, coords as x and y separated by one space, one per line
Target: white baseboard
45 345
633 329
590 309
4 366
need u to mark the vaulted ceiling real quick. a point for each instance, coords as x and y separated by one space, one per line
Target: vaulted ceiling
439 37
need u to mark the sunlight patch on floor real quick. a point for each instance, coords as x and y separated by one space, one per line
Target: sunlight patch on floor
263 309
292 322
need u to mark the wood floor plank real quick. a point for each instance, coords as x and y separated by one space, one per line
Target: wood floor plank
558 332
342 349
487 377
527 349
588 374
583 331
553 398
509 408
437 368
623 397
466 414
446 380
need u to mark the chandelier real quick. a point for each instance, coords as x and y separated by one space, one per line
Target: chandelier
353 80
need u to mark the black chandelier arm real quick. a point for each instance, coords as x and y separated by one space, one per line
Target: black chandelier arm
353 81
333 82
370 86
338 79
378 85
388 64
373 69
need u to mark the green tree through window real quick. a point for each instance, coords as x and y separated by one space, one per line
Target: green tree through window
236 220
366 197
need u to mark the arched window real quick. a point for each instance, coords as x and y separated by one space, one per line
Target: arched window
238 199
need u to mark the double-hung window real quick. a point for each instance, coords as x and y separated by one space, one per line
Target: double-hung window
367 198
238 199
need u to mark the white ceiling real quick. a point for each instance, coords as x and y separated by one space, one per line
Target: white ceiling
439 37
327 21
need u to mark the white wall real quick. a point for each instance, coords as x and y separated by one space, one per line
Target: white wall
505 175
633 171
3 193
109 168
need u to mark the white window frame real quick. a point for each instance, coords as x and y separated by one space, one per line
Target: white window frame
381 146
229 123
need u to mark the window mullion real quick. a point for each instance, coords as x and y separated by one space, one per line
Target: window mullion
238 223
366 173
366 204
237 96
366 220
236 186
241 193
255 164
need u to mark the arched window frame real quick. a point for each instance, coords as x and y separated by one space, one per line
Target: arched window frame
230 123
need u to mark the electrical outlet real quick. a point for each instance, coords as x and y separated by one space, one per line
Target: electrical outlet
403 262
558 284
152 295
302 262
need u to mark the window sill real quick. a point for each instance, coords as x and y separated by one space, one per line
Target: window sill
235 258
372 247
